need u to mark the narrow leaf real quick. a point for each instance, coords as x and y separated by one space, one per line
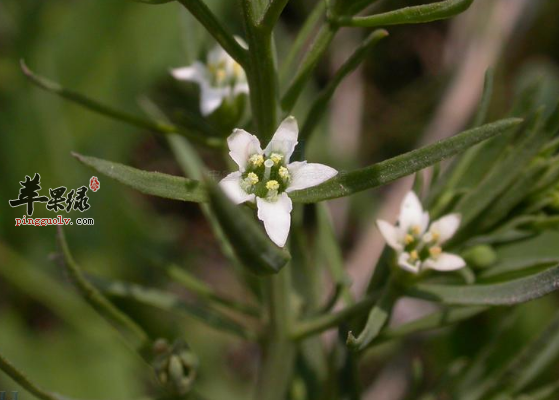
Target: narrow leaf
408 15
153 183
170 303
110 112
388 171
320 105
128 327
378 317
500 294
247 237
503 174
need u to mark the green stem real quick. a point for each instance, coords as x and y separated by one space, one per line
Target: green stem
279 350
320 324
261 74
139 338
203 14
272 14
21 379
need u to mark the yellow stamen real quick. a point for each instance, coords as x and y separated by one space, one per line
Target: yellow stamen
252 178
414 255
415 230
276 157
435 251
436 236
257 160
272 185
283 173
408 239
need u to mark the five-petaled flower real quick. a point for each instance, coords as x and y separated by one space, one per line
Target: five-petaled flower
267 176
418 245
220 79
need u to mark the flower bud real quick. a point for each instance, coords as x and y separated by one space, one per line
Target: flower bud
175 366
481 256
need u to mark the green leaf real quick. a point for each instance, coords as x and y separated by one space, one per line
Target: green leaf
499 294
345 184
170 303
432 321
515 266
247 237
408 15
378 317
197 124
153 183
503 175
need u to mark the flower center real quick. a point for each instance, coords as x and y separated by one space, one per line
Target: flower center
266 176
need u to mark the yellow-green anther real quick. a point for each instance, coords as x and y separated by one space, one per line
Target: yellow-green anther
272 185
284 173
276 157
252 179
256 159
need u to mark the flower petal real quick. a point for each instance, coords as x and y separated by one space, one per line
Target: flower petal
391 234
404 263
285 139
211 98
197 72
411 213
232 188
445 227
218 56
241 146
445 262
304 175
240 88
276 216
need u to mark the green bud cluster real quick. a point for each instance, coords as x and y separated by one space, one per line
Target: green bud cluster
176 366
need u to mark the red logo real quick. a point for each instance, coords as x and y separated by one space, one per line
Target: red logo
94 184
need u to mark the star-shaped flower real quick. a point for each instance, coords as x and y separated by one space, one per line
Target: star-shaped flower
267 176
221 78
419 246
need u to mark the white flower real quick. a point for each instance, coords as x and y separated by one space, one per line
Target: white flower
267 176
418 245
220 78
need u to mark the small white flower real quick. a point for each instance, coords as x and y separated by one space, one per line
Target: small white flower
220 78
266 176
419 246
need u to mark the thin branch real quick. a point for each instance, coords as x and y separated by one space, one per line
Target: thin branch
324 322
272 14
319 106
107 111
205 16
20 378
99 302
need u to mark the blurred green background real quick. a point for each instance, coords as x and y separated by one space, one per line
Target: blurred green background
117 51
